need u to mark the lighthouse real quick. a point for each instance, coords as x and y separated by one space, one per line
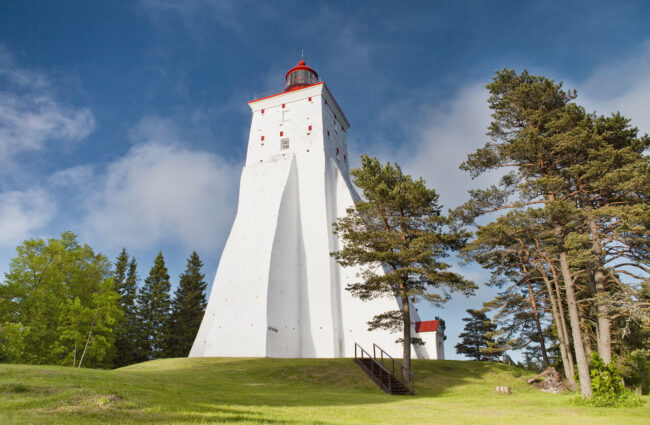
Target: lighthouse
277 291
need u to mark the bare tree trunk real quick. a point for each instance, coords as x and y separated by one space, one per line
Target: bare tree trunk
604 335
90 333
574 318
565 349
406 357
565 328
540 334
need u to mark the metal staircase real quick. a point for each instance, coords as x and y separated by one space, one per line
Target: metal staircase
382 370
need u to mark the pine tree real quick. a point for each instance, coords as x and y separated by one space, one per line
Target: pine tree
400 226
153 310
188 307
478 336
125 277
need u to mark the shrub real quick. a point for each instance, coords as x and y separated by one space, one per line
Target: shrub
607 386
636 370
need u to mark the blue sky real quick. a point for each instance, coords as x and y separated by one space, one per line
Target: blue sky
127 121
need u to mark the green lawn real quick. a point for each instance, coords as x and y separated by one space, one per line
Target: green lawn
284 391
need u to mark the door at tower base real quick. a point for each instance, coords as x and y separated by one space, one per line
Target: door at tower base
277 291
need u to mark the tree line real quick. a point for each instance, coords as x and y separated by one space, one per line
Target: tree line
62 303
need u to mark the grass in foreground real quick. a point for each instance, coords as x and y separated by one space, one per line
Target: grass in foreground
284 391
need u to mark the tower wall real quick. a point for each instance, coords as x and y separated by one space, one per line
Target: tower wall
277 291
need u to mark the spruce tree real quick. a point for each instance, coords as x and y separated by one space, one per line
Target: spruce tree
188 307
478 336
153 310
127 331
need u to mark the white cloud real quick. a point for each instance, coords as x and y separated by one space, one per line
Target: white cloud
23 212
30 116
621 85
79 175
451 131
164 193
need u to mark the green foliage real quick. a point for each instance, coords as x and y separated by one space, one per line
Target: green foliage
398 226
58 305
477 340
636 370
153 310
12 341
187 309
607 386
128 329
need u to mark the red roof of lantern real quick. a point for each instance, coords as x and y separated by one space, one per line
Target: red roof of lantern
301 65
426 326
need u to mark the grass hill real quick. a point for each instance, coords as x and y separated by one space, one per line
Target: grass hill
284 391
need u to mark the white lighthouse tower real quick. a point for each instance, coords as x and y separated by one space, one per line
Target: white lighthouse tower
278 292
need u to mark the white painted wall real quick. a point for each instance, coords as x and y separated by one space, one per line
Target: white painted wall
277 291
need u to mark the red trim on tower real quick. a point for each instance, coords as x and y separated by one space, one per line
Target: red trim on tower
262 138
426 326
285 92
310 128
281 133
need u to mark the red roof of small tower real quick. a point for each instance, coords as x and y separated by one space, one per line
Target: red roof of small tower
426 326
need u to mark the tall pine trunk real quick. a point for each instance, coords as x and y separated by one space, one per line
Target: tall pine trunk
540 334
565 349
406 356
574 319
604 335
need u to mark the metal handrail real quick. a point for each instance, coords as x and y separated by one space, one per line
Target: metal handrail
356 345
402 369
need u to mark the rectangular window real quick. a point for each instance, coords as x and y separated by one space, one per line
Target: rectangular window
286 115
328 133
262 111
310 128
281 133
284 144
262 138
310 99
283 105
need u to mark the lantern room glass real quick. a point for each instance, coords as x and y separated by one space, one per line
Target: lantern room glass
300 78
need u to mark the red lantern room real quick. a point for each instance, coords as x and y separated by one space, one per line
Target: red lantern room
300 76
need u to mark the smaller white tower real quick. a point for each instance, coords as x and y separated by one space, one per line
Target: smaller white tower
278 292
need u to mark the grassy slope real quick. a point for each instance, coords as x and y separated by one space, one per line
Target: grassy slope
283 391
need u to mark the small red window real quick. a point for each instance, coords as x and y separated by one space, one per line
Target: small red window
328 133
310 128
310 99
281 133
326 101
262 111
283 105
334 116
262 138
345 157
337 151
342 128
